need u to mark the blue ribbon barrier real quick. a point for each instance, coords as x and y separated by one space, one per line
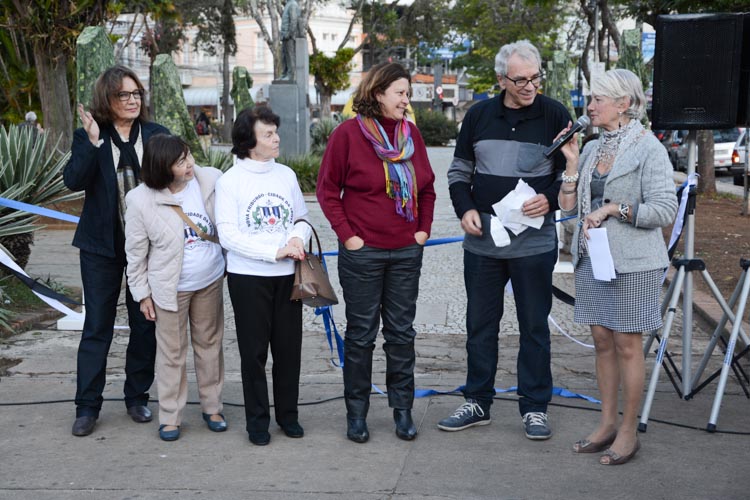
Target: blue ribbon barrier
332 333
33 209
556 391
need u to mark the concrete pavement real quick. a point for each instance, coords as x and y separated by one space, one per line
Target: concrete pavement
121 459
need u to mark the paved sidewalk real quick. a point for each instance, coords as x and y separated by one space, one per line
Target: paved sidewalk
121 459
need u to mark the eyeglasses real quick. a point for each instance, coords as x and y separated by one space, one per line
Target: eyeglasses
136 94
520 83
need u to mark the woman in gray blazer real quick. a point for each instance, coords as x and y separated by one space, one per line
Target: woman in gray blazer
622 182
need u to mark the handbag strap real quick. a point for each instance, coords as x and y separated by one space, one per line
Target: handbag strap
189 222
315 233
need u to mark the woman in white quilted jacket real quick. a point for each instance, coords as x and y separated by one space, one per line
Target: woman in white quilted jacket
176 272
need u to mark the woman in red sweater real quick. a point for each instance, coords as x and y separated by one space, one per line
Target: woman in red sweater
375 186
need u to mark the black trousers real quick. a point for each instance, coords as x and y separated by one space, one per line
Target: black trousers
379 284
102 279
265 316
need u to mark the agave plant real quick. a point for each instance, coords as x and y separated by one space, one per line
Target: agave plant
320 132
27 174
218 159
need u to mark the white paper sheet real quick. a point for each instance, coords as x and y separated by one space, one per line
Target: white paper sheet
499 235
601 257
509 210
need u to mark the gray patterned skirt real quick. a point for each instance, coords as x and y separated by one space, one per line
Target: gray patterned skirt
628 304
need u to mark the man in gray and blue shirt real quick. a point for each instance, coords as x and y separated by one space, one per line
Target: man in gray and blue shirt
501 141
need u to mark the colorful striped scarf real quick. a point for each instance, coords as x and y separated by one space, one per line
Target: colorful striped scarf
400 178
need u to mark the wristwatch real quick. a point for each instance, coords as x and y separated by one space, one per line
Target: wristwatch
624 211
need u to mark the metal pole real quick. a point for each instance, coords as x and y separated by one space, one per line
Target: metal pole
746 169
687 292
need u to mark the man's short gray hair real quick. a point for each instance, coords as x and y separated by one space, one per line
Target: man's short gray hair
619 83
523 49
30 116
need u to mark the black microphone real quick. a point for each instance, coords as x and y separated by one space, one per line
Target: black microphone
580 124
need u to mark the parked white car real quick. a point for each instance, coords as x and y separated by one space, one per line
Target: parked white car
724 143
738 158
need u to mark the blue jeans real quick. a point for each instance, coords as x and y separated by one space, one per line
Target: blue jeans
485 279
102 279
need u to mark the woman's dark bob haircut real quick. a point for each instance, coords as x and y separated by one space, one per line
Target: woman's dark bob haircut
377 80
243 131
106 87
160 153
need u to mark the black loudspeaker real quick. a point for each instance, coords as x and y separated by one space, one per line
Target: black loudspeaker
743 109
697 71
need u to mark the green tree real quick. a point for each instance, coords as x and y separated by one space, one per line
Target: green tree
331 75
391 31
18 92
51 27
398 32
216 36
490 24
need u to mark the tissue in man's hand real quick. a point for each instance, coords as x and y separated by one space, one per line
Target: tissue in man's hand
509 210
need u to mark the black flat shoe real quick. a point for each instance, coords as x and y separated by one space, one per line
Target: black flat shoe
261 438
293 430
405 428
356 430
83 426
140 414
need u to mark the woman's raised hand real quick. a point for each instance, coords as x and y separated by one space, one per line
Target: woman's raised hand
89 124
570 148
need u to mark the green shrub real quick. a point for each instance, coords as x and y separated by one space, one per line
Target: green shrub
218 159
306 167
435 127
30 175
320 133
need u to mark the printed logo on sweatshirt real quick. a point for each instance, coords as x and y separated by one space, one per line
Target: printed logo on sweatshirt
192 240
268 213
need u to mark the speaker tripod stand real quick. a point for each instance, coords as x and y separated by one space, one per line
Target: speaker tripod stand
683 283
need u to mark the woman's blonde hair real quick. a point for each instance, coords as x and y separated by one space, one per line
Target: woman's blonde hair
619 83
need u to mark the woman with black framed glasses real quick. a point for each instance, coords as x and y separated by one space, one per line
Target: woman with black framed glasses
105 162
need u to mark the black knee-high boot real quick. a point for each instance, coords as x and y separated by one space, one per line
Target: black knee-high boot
399 374
399 378
357 386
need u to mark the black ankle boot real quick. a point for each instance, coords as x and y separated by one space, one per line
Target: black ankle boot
405 428
356 430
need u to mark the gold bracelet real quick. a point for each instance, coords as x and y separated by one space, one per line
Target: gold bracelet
572 191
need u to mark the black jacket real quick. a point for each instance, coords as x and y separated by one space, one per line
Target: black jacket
93 170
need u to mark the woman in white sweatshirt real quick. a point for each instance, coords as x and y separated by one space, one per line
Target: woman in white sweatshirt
257 204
